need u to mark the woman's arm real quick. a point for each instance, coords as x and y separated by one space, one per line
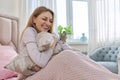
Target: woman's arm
66 46
40 58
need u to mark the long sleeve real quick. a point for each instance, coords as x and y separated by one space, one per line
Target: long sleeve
65 46
40 58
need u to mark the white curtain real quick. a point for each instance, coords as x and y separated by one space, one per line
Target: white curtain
104 23
32 4
22 14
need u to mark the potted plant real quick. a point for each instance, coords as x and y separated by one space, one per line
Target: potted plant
67 30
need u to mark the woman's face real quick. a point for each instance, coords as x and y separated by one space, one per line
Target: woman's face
44 21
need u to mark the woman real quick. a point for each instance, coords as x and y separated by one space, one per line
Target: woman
68 64
41 20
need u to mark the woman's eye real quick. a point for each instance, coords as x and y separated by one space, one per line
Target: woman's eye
51 21
44 19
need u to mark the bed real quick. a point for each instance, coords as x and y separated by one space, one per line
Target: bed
67 65
9 44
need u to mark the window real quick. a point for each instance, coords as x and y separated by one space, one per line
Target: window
75 13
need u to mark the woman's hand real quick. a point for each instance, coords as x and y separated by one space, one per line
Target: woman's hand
35 68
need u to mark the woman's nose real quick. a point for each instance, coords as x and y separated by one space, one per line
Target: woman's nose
48 22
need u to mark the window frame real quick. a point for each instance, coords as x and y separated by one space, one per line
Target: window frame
69 14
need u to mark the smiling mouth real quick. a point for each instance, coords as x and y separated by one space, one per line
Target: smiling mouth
45 27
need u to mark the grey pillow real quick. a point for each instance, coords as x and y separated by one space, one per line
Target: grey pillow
44 40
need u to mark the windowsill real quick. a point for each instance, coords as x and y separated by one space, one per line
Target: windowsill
77 42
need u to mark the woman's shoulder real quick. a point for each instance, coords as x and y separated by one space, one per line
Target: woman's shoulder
29 34
30 30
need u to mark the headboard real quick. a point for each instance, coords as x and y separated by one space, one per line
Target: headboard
9 31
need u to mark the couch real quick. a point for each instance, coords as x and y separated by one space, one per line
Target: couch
107 56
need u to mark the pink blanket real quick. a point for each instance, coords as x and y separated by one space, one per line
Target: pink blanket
70 65
7 53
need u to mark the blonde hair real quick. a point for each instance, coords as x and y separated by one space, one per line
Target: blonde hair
36 13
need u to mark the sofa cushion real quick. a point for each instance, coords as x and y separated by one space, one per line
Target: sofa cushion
112 66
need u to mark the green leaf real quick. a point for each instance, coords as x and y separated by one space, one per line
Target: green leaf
60 29
67 29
